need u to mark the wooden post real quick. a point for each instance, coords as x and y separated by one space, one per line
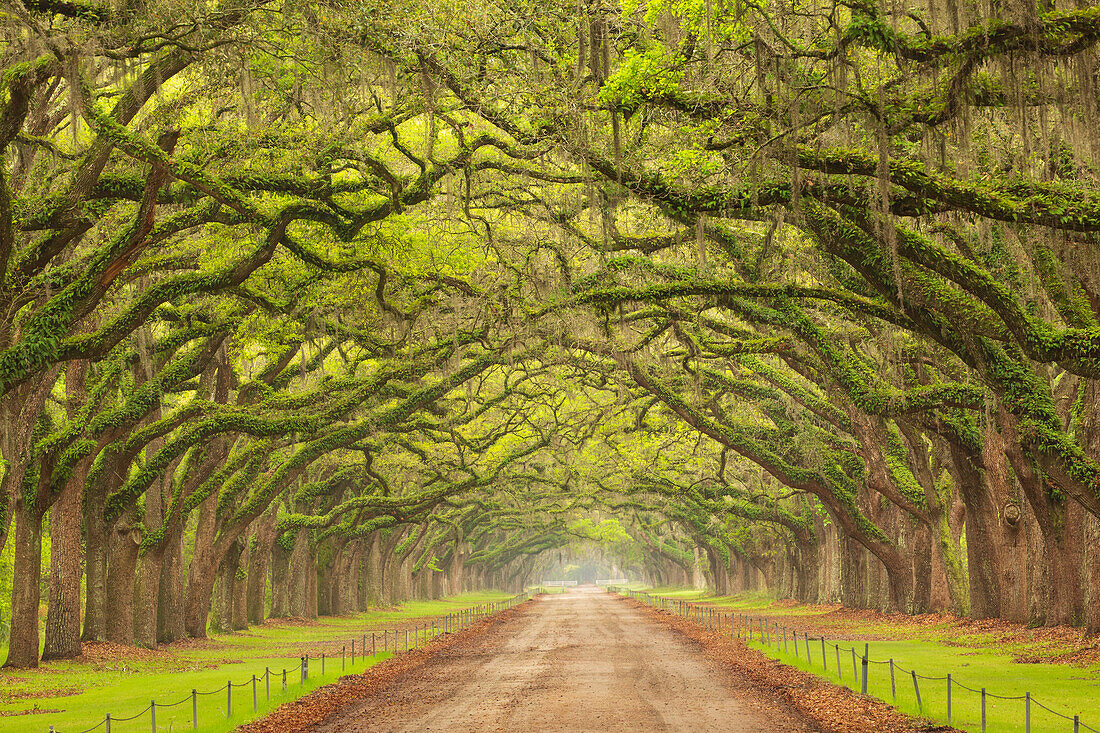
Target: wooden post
866 664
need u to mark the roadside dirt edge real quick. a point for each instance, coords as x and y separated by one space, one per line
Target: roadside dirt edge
836 709
309 711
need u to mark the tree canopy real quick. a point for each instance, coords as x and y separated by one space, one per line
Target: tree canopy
305 307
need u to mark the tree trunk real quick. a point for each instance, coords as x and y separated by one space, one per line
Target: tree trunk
171 589
221 616
297 583
63 614
983 545
260 555
239 616
853 582
23 641
122 551
202 573
375 595
147 599
808 559
280 580
95 569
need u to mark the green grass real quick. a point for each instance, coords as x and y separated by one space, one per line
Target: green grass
1067 690
933 650
125 686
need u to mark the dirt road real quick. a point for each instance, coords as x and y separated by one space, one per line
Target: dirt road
581 661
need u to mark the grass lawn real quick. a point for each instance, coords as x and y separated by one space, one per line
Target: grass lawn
74 696
934 646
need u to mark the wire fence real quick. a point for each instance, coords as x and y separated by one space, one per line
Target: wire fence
815 649
383 641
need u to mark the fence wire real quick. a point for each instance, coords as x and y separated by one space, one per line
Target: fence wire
696 613
459 619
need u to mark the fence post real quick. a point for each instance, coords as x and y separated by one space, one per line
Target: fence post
108 722
1027 712
353 652
194 709
267 682
916 688
839 674
1076 724
406 640
284 679
153 715
254 702
855 670
229 699
893 685
795 635
824 659
983 710
372 644
948 697
866 664
784 639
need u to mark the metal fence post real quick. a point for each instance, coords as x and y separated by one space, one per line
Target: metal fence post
267 682
108 722
983 710
855 670
866 665
1027 712
284 679
948 697
353 652
254 701
229 699
194 709
916 688
824 659
839 674
795 635
153 715
372 645
893 685
1076 724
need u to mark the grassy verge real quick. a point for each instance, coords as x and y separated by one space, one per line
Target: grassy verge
73 696
975 654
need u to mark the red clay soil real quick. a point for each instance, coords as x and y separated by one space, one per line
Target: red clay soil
580 662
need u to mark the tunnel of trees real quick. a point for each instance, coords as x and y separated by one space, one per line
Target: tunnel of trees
306 307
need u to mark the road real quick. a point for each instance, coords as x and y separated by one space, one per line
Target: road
580 661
